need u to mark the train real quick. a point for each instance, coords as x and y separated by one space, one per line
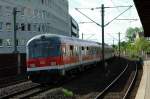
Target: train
50 56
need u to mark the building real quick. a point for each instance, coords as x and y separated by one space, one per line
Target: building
74 28
33 17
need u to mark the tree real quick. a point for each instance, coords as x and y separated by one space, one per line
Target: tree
142 45
131 33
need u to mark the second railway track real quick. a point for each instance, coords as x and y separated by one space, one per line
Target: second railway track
110 92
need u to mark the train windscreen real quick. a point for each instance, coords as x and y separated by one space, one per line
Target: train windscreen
43 49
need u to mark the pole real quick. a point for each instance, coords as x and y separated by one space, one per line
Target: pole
119 44
113 41
15 41
82 36
15 30
103 56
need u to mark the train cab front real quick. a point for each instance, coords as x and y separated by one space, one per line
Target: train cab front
40 70
43 61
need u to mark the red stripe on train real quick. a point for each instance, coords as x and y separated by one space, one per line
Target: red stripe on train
59 60
41 62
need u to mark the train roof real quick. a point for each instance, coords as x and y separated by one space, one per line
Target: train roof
63 39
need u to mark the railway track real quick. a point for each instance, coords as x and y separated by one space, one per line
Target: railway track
103 94
25 94
8 81
13 90
84 86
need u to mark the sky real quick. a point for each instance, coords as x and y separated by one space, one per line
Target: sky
91 31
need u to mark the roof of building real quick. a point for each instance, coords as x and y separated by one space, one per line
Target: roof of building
143 8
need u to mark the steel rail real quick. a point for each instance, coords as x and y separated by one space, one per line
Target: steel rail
131 84
28 93
19 92
103 92
32 92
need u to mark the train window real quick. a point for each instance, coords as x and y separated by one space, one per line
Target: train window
71 50
64 50
87 48
82 48
76 50
43 49
67 50
71 47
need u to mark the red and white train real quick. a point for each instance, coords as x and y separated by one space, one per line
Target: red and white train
50 55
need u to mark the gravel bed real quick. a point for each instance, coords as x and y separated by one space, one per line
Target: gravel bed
88 84
16 88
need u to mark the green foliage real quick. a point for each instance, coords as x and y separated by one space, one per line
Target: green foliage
142 44
135 49
131 33
67 93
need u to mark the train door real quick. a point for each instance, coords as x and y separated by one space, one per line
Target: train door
64 58
64 54
80 54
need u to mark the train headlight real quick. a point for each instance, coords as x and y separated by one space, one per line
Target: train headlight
32 65
53 63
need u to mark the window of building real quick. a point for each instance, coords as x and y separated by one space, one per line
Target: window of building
8 10
39 28
1 25
36 12
17 42
48 27
22 10
34 27
43 28
44 13
8 42
1 42
17 26
42 1
22 26
29 27
29 11
8 26
22 42
1 10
